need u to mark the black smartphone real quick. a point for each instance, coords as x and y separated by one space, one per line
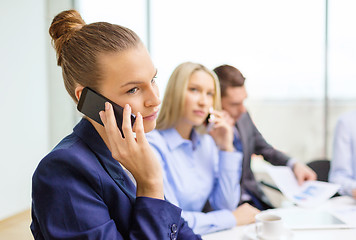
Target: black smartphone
206 122
209 125
91 103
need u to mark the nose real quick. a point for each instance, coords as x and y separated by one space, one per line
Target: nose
152 97
203 99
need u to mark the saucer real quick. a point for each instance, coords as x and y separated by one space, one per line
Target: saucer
250 234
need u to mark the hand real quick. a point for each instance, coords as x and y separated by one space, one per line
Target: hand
303 173
135 155
228 118
354 193
222 131
245 214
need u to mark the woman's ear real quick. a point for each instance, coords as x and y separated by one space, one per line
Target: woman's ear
78 91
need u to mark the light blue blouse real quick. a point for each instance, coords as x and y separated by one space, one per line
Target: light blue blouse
196 170
343 164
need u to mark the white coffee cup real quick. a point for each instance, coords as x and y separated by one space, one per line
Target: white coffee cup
269 226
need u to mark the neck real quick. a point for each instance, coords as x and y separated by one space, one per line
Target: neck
184 129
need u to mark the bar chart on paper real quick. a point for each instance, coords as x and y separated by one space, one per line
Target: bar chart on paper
309 194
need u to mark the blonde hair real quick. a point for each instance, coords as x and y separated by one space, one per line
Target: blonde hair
173 101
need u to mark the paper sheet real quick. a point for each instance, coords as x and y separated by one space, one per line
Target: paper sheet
310 194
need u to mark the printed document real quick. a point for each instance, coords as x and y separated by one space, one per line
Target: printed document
309 194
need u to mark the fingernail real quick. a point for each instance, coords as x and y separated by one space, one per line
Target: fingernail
139 114
107 105
211 109
127 107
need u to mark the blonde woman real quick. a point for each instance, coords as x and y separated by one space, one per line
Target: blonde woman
199 166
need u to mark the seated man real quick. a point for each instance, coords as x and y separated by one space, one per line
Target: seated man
343 164
249 140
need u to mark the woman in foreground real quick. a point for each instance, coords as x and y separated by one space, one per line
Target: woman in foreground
82 189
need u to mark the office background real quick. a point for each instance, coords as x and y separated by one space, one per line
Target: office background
299 59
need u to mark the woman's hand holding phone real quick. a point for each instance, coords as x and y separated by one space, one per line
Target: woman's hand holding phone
135 155
222 131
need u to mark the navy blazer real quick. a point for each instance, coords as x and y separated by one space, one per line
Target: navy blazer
80 192
254 143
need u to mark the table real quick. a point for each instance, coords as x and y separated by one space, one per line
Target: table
335 205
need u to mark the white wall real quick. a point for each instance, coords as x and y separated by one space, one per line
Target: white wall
62 110
28 90
23 100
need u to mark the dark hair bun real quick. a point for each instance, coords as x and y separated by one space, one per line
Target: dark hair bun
63 26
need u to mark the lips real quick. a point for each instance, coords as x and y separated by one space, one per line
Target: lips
151 117
200 113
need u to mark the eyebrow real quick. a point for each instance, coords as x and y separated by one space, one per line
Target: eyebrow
137 82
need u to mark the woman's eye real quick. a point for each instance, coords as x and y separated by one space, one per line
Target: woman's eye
193 89
210 94
153 81
132 90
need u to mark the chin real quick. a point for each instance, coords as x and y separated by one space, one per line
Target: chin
149 127
199 122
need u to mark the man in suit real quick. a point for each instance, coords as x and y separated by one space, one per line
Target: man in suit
249 140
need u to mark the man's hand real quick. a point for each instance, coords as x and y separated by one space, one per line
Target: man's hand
303 173
354 193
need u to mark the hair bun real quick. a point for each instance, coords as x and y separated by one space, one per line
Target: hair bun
63 26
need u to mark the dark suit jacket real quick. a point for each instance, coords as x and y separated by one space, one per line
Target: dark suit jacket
80 192
254 143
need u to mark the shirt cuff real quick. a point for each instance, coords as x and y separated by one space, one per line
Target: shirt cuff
224 218
291 163
230 161
347 190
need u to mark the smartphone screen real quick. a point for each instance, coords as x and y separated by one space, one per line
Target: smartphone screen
91 103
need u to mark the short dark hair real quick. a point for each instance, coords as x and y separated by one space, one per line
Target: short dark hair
229 76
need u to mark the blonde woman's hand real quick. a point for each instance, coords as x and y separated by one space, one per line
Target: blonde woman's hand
135 155
245 214
228 118
222 131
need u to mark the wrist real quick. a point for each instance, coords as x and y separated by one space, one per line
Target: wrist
229 148
152 189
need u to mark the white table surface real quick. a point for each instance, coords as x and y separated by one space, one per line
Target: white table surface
333 205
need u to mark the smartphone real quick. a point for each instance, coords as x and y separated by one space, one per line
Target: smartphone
209 125
91 103
206 122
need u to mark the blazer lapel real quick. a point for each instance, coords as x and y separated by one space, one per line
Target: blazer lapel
92 139
117 173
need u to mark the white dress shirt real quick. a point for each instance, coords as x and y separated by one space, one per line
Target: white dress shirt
343 165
